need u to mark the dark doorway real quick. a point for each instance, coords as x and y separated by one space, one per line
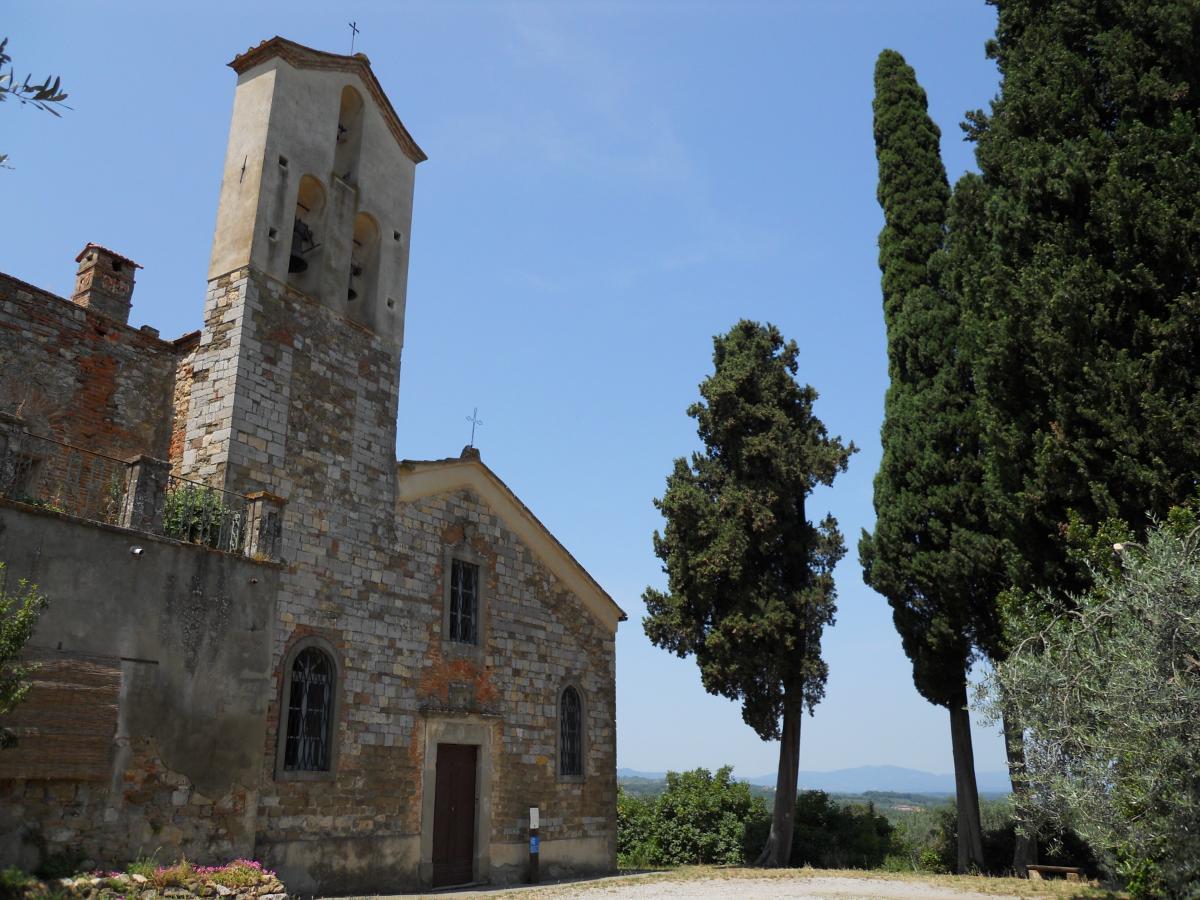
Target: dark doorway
454 815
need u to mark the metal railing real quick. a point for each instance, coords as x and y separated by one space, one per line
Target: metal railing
47 473
199 514
141 494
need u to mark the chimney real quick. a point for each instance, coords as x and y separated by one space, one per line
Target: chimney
104 282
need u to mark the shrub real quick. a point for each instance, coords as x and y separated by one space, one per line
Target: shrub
701 818
198 514
13 882
173 876
832 836
635 831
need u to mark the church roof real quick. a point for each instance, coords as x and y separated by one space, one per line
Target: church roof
301 57
422 478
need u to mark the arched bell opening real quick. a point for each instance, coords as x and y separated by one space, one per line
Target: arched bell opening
364 268
307 239
349 136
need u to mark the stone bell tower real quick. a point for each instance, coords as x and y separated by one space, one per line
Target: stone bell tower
298 362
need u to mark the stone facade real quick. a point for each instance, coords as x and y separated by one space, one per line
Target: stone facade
291 388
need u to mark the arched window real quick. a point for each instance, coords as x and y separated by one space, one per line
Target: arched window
364 267
570 733
308 739
349 136
304 270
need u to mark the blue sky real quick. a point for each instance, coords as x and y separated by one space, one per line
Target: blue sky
609 185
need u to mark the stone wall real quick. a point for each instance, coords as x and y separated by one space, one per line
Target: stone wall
538 637
144 729
181 398
289 396
81 377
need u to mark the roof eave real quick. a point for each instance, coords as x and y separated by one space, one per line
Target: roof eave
417 464
301 57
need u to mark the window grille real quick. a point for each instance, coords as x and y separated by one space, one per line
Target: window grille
310 706
570 755
464 602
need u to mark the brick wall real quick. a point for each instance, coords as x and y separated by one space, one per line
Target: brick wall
81 377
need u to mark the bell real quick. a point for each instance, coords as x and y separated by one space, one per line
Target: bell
302 242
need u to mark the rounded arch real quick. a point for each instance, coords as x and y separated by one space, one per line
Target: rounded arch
349 135
307 235
311 195
309 707
364 265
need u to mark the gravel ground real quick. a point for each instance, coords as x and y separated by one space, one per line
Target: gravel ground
798 887
801 886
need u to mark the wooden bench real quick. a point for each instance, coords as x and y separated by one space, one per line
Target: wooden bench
1038 873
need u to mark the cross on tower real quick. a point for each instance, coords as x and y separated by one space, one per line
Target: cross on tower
474 419
353 33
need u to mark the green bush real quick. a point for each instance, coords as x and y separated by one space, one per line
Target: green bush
635 831
14 882
701 818
198 515
829 835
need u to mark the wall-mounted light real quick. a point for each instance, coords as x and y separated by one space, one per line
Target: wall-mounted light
136 551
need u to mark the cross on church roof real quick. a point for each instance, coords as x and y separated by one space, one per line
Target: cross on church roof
474 419
353 34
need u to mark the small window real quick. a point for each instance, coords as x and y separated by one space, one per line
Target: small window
464 599
464 602
570 737
309 713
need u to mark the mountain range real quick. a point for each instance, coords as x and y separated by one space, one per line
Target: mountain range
867 778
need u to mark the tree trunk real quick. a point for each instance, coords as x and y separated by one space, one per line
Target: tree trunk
778 850
1025 849
966 793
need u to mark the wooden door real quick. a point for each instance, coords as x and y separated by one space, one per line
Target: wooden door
454 815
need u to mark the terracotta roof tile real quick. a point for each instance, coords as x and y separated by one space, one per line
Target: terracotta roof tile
111 253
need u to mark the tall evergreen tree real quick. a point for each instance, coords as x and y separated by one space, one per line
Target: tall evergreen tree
1089 320
1084 310
750 578
931 554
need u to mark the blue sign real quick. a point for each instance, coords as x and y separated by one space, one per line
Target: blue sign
533 844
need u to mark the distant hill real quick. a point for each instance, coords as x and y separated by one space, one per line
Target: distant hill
863 778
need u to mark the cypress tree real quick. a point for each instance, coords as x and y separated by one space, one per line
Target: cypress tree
1083 310
750 578
931 554
1088 323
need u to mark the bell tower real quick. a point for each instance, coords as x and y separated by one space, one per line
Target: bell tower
318 183
298 362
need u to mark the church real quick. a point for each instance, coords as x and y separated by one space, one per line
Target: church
266 637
